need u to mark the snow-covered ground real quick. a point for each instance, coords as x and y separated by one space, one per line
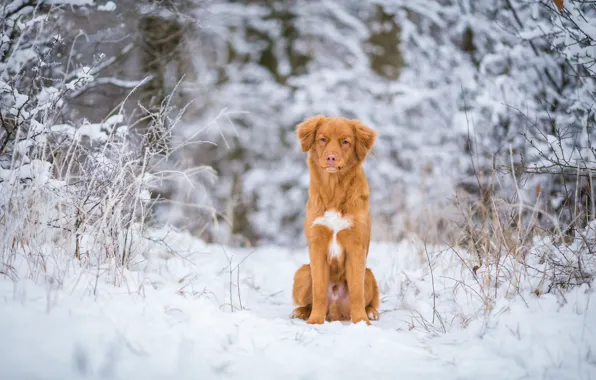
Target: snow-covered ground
208 311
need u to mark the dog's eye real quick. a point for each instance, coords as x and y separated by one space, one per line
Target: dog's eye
323 140
345 142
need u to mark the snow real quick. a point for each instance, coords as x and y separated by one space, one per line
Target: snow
37 171
70 2
96 132
107 7
171 316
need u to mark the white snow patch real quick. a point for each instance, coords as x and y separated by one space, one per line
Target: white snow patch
107 7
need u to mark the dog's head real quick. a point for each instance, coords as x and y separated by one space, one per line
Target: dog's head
335 143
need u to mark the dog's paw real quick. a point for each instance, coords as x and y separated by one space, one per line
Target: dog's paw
360 318
372 313
315 320
301 312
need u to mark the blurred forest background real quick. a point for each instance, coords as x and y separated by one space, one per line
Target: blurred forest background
478 105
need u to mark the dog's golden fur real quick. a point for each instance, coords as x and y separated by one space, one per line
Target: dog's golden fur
336 286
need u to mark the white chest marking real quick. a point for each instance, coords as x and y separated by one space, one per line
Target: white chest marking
335 222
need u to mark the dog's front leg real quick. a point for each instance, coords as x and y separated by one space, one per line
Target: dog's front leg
355 273
319 267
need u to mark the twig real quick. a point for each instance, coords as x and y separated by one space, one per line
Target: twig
432 278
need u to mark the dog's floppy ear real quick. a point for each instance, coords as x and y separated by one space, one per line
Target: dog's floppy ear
307 131
365 139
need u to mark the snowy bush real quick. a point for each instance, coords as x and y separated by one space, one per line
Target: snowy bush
531 125
77 189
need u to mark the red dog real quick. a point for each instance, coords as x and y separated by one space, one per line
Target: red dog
336 285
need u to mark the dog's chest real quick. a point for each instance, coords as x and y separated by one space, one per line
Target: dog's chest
335 222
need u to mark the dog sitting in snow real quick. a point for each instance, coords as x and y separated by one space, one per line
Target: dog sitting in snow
336 285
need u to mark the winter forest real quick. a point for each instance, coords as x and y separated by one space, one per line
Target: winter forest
153 189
